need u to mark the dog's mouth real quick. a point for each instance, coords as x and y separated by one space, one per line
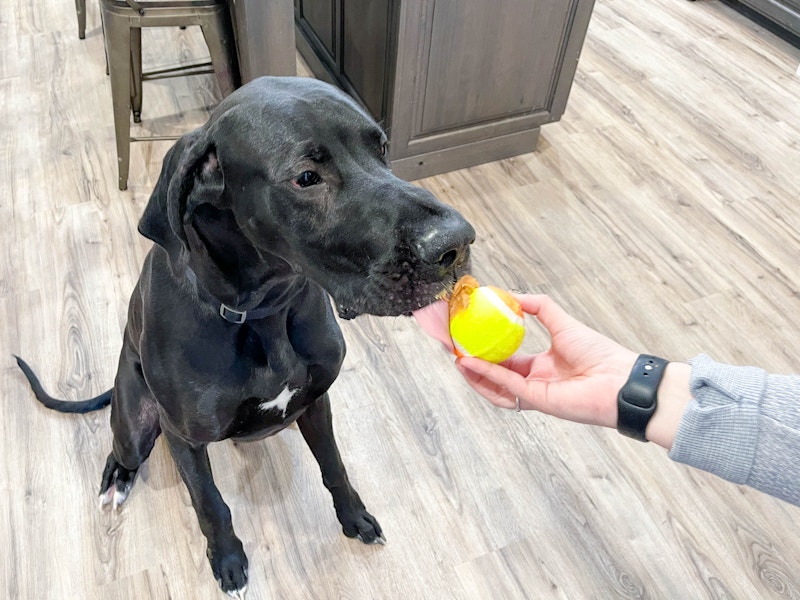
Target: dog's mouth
381 309
399 292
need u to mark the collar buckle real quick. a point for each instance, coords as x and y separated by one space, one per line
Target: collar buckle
232 315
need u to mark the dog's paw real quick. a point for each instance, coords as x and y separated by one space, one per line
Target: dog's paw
238 594
116 484
230 569
115 495
363 526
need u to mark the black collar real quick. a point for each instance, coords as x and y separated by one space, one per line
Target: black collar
226 312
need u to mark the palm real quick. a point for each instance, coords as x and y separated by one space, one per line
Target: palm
577 378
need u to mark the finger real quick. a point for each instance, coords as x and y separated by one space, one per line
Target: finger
547 311
530 303
502 389
520 363
497 377
532 394
494 394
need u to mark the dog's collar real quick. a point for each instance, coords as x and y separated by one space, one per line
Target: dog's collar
231 314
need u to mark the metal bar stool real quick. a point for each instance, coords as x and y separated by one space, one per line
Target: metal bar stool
123 21
80 10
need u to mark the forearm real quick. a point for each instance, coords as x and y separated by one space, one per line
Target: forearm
739 423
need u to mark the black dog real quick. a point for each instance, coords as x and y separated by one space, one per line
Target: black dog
284 197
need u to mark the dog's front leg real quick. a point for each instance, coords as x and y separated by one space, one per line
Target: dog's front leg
317 428
225 551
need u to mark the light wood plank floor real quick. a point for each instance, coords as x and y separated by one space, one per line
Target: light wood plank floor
663 210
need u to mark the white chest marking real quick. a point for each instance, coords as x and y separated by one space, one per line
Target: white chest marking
280 403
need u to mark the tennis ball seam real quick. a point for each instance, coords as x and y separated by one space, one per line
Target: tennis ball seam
490 295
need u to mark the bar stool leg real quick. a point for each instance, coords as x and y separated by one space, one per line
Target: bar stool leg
80 9
118 44
136 73
222 48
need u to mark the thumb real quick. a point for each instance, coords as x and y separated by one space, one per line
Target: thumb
547 311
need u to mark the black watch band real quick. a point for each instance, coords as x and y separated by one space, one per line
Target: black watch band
636 401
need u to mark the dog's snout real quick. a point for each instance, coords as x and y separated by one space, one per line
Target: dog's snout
446 245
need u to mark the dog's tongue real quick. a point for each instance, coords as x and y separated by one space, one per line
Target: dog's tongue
435 321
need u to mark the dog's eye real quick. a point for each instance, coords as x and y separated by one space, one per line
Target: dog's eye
307 178
384 148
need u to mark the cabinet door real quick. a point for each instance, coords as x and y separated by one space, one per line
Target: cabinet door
317 19
352 40
366 36
490 60
468 71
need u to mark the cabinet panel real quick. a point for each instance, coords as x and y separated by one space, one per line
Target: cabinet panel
365 35
490 60
320 16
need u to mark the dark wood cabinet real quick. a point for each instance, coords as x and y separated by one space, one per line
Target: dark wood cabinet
785 13
348 42
455 83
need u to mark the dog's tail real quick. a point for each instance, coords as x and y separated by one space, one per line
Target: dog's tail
63 406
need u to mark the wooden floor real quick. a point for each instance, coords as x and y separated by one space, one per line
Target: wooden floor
663 209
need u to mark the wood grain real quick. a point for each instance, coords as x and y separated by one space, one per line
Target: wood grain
662 209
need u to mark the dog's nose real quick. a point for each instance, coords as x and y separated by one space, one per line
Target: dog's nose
447 244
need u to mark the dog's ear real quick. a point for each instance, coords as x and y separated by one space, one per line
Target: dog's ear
190 176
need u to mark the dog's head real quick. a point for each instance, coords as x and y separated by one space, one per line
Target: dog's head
290 177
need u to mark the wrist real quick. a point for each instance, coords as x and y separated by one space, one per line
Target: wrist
637 400
673 396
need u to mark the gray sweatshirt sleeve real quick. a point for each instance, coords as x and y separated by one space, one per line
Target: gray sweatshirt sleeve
743 425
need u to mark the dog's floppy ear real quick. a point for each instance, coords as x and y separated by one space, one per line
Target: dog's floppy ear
190 176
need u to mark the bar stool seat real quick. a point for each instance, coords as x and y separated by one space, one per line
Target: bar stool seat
123 21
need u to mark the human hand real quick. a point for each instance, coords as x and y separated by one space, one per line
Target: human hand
577 378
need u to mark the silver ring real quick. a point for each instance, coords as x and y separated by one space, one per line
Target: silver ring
516 405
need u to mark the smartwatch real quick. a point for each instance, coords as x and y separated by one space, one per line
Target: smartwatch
636 401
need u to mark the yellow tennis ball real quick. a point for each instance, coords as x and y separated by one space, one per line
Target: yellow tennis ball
485 321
